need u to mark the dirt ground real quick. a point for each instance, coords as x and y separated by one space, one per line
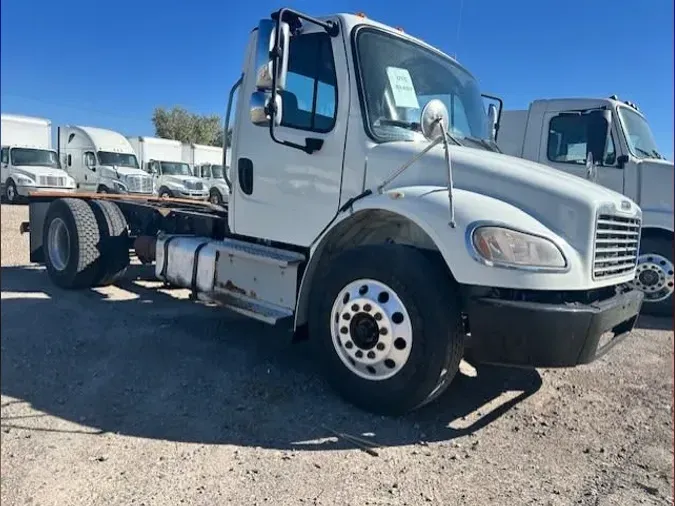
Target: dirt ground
130 395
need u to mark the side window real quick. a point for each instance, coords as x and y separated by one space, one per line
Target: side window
310 98
89 159
70 161
5 155
567 141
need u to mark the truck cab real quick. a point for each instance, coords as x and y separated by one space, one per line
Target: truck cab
163 160
207 164
28 162
101 161
370 213
558 132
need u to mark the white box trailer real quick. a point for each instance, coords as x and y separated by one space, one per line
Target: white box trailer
28 161
609 142
207 164
163 158
101 161
358 222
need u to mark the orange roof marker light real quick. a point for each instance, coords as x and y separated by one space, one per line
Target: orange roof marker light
400 29
361 14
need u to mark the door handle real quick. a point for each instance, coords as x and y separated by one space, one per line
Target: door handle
245 173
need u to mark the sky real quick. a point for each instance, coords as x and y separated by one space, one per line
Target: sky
110 63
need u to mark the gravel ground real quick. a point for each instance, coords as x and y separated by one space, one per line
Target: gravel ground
129 395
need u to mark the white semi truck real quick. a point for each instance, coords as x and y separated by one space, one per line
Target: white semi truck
359 222
207 164
101 161
163 159
28 161
561 132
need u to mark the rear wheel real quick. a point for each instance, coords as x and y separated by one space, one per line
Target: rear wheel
114 244
655 277
390 337
71 239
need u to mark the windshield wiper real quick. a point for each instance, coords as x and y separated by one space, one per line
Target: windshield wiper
415 127
492 146
644 152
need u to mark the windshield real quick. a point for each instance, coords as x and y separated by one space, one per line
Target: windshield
217 171
639 136
399 77
119 159
175 169
35 157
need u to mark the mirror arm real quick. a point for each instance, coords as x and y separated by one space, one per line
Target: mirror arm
292 17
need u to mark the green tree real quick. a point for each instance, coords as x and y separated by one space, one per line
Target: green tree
179 124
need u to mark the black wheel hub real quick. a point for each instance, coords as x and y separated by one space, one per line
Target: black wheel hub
648 277
364 331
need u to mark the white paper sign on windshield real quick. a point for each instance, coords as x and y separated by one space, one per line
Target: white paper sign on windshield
402 88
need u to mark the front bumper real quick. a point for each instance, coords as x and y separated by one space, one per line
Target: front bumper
197 195
24 191
540 334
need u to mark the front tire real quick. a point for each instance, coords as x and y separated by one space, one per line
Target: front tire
71 238
390 337
215 198
654 275
11 194
164 193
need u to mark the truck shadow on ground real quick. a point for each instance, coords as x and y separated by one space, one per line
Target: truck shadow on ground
140 362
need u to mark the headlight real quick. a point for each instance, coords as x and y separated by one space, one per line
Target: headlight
508 248
120 187
24 180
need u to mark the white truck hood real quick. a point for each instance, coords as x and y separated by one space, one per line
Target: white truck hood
33 171
109 171
564 203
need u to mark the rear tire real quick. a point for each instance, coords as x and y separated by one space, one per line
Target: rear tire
655 275
71 238
114 244
417 337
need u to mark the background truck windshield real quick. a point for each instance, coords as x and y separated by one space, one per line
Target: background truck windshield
638 134
217 171
175 169
399 77
119 159
35 157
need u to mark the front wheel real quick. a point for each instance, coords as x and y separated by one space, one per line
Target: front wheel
390 337
655 277
11 194
215 197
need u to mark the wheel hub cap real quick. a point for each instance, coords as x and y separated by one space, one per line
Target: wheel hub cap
58 244
371 329
654 276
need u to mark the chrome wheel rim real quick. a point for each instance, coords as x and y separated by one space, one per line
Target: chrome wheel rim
11 192
654 276
371 330
58 244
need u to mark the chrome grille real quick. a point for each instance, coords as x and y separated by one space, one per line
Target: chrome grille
52 181
139 184
617 240
194 185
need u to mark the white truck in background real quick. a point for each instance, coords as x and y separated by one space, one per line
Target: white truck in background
207 164
101 161
28 161
357 220
561 132
163 159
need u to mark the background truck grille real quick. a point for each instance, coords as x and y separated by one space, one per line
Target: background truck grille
194 185
616 245
51 181
139 184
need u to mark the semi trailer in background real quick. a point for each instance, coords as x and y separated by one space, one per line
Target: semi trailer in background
28 161
558 132
207 164
101 161
163 160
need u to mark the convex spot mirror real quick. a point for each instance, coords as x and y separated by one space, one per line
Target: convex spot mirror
598 128
434 113
260 109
